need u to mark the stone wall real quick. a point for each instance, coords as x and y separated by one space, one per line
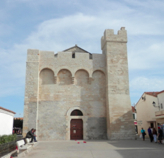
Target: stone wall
31 91
120 123
55 100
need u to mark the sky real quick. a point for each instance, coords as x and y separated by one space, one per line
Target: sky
57 25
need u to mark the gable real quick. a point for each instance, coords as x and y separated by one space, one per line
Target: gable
76 49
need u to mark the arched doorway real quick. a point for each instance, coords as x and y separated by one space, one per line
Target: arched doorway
76 129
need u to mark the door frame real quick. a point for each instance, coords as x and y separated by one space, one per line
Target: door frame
68 122
82 128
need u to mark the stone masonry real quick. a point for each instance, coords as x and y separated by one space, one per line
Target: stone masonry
74 79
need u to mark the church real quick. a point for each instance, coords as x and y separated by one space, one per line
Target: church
75 94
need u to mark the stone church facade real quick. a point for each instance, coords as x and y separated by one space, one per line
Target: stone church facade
75 94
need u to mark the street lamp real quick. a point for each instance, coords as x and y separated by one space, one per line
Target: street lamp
154 104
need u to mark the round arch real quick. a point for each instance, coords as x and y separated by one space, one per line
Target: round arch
98 70
75 108
46 68
63 68
76 112
81 77
81 69
64 77
46 76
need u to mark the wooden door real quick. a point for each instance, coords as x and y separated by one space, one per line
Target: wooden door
76 129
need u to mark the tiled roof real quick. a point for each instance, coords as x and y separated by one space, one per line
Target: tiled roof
154 93
7 110
18 118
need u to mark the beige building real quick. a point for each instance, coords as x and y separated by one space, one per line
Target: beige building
149 115
159 115
75 94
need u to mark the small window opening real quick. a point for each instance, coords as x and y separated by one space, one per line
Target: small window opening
76 113
161 106
73 55
56 55
90 56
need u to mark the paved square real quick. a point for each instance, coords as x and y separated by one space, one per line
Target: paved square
97 149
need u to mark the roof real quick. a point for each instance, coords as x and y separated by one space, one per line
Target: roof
18 118
154 93
7 110
76 49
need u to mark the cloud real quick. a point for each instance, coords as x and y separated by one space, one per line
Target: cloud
147 4
85 28
147 57
144 84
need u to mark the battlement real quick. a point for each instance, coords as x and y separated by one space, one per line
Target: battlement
46 55
109 36
74 56
32 55
66 60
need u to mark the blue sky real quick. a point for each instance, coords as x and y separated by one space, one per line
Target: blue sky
57 25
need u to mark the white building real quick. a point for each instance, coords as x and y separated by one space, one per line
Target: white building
150 111
6 121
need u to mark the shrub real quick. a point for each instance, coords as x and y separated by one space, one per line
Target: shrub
7 138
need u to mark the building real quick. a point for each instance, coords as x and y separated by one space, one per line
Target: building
18 118
147 114
159 115
75 94
6 121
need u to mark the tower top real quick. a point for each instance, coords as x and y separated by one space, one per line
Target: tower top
109 36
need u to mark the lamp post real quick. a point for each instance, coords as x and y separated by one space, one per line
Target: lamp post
154 104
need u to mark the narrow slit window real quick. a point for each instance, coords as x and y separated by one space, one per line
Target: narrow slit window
90 56
73 55
161 106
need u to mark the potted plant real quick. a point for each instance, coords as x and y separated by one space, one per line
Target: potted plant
7 144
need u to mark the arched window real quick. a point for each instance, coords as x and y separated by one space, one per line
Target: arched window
98 83
76 113
81 78
98 78
64 77
47 76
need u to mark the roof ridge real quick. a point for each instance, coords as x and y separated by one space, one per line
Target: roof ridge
76 46
7 110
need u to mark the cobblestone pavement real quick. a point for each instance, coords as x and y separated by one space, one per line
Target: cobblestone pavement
97 149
